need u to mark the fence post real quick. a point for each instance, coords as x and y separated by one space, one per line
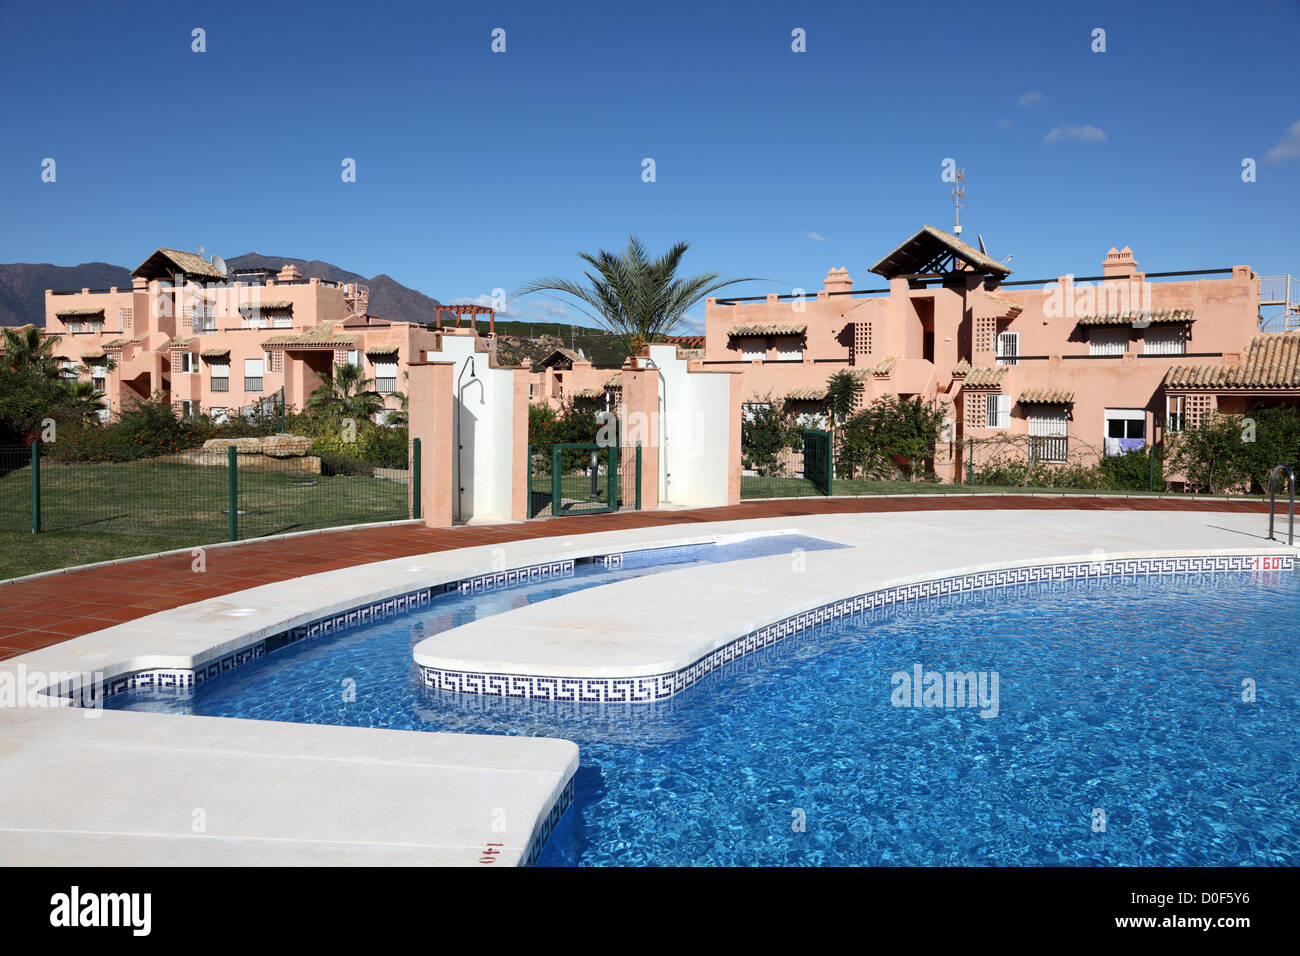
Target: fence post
284 413
232 469
970 461
557 491
415 477
1151 467
36 487
613 478
638 475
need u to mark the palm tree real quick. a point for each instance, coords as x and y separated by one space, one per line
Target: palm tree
30 349
843 389
84 399
347 393
637 298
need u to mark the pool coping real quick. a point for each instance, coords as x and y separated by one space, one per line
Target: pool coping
654 680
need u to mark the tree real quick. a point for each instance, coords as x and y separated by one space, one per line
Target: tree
843 389
768 430
891 433
1211 454
637 298
29 349
347 393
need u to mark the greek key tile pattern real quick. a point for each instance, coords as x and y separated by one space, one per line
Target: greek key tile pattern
661 686
548 825
183 682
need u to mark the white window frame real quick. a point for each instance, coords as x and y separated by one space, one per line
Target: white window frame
1005 355
1107 340
1175 413
354 358
997 410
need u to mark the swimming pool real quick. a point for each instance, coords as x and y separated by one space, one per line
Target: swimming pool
1121 735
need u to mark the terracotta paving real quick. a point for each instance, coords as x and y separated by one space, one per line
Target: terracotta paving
35 614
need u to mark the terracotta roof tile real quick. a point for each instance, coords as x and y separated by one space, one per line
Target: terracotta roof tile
986 377
1138 319
1046 396
1272 360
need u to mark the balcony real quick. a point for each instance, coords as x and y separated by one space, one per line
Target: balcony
252 384
386 386
220 384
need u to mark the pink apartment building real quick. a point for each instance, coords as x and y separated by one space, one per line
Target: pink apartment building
1108 362
221 344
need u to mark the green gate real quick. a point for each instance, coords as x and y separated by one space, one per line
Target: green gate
567 479
817 459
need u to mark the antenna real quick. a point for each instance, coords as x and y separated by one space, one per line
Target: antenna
981 239
219 264
958 200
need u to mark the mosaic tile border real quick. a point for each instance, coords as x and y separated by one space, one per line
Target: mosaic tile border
547 827
607 690
182 682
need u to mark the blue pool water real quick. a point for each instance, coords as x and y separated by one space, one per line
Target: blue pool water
1122 698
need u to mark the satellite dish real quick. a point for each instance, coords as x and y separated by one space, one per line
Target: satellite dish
983 251
219 264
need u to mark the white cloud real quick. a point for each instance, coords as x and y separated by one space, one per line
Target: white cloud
1004 125
1031 99
689 326
1067 132
1287 148
815 236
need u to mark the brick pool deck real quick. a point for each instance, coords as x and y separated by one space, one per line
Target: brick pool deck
56 608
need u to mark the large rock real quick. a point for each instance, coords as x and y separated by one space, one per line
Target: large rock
273 446
285 446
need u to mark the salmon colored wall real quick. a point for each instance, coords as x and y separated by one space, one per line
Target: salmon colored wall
431 403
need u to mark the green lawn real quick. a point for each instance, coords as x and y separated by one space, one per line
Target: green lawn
752 487
95 512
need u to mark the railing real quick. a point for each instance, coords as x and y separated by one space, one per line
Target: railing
1272 493
252 384
1050 448
385 386
220 384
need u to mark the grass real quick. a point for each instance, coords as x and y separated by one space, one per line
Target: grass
754 487
97 512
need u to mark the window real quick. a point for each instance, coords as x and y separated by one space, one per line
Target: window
532 390
750 409
220 372
1048 426
1108 341
282 320
189 362
1125 430
1175 413
1008 347
997 413
188 408
753 350
1165 341
68 368
354 357
385 377
789 350
203 320
252 375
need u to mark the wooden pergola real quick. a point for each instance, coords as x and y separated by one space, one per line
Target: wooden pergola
473 311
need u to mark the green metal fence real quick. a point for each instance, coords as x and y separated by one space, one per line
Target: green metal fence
196 496
582 479
791 472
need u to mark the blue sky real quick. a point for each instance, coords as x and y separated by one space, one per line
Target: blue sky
478 171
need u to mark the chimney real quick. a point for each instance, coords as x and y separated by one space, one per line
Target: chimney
288 272
1119 262
838 280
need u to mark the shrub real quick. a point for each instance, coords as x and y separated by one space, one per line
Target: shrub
1132 471
766 433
